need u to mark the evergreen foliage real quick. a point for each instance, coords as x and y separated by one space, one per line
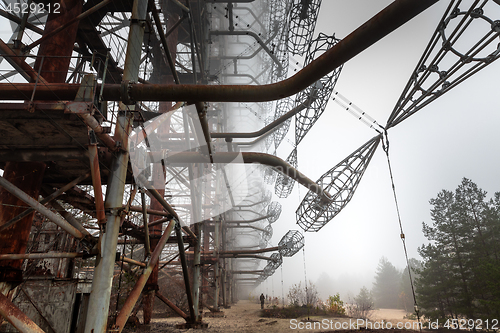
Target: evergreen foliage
460 277
386 285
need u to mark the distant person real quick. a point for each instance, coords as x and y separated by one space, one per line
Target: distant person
262 299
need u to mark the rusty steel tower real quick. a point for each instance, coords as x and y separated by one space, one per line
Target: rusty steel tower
138 149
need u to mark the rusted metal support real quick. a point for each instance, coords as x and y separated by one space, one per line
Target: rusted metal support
41 255
16 317
98 307
66 25
171 305
167 207
135 293
175 25
147 245
150 211
201 108
187 283
389 19
133 262
44 201
96 179
197 272
249 157
40 208
91 122
181 6
157 222
70 218
217 281
163 40
19 64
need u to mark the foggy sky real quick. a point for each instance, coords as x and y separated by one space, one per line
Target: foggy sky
456 136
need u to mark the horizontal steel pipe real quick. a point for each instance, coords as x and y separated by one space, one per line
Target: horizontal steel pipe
138 209
132 261
388 20
267 128
40 255
248 157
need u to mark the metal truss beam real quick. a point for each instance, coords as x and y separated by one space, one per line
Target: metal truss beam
388 20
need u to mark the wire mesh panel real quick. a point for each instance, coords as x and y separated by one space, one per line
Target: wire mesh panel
272 265
273 211
269 175
266 198
282 107
280 9
303 17
341 182
291 243
320 91
284 184
269 140
276 260
465 41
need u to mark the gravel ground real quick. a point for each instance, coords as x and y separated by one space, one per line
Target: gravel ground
244 317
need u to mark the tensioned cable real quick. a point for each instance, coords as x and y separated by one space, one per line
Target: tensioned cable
282 292
385 146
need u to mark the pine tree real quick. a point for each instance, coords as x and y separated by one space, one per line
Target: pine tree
406 300
386 285
461 271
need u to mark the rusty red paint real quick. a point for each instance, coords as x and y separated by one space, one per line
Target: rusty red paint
28 177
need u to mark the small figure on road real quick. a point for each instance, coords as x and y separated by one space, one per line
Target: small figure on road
262 298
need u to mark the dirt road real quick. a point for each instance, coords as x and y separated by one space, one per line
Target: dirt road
244 317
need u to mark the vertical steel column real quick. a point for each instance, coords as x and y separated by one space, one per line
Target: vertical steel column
216 266
162 74
97 315
197 271
182 256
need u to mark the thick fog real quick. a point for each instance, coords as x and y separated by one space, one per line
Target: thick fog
455 136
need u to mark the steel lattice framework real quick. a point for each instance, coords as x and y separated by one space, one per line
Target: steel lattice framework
84 102
282 107
291 243
320 91
451 57
284 184
303 17
341 182
273 211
